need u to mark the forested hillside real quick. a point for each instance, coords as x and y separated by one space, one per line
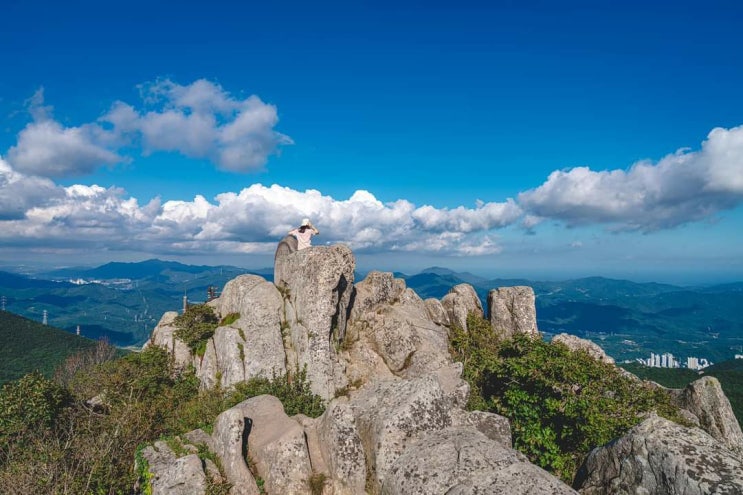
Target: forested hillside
28 345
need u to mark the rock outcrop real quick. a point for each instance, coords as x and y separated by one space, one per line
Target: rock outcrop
663 458
395 420
249 347
316 285
705 399
277 446
461 460
164 336
173 475
228 441
512 310
390 332
459 302
577 344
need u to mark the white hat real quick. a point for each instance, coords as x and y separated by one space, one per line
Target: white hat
305 222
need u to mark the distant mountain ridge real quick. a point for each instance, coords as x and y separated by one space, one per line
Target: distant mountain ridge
628 319
135 270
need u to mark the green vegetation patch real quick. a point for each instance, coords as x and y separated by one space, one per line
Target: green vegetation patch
229 319
28 345
292 389
196 326
53 427
561 403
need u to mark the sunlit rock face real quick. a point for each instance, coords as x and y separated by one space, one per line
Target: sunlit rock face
512 310
659 456
316 284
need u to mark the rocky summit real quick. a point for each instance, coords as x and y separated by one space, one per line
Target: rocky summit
395 421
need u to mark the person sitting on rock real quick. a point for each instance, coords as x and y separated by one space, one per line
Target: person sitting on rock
304 234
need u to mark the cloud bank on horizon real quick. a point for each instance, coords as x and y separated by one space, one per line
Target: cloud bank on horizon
202 121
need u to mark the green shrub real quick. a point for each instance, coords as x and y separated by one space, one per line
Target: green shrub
27 405
196 326
561 403
293 390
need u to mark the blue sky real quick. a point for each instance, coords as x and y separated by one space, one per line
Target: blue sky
533 139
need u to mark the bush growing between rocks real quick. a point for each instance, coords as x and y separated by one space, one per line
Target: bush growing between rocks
196 326
292 390
53 440
561 403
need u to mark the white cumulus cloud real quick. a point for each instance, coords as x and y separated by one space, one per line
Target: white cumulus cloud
682 187
250 221
46 148
202 120
199 120
19 192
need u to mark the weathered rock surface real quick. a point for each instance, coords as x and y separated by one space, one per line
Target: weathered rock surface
228 437
172 475
401 426
659 457
460 301
705 399
277 446
376 289
342 450
391 413
252 346
436 312
164 336
577 344
316 283
391 327
493 426
512 310
459 460
287 245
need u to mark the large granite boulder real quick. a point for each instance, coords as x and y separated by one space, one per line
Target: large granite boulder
512 310
464 461
659 457
459 302
251 346
493 426
705 399
173 475
341 448
316 285
391 327
228 441
391 413
577 344
287 245
164 336
277 446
